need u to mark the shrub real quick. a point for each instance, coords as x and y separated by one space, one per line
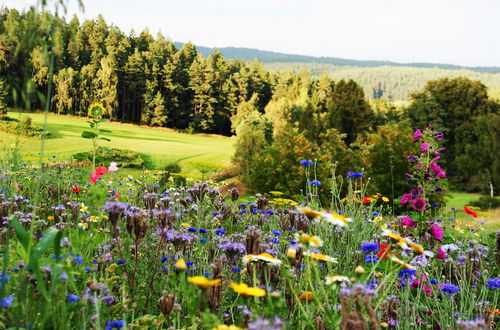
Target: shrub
486 202
24 127
124 158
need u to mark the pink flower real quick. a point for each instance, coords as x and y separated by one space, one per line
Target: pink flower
101 170
419 204
435 167
427 289
437 232
441 174
417 134
113 167
406 199
441 255
408 222
424 147
94 177
117 196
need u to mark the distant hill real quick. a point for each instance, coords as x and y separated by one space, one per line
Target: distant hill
392 80
265 56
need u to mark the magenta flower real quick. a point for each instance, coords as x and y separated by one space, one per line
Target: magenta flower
417 134
406 199
427 290
408 222
435 167
441 254
424 147
437 232
441 174
419 204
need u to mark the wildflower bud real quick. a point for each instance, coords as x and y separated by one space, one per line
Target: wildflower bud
235 194
359 270
166 303
307 296
384 325
177 307
180 265
291 253
378 274
275 294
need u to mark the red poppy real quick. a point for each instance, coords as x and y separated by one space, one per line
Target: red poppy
75 189
101 170
366 200
470 212
384 251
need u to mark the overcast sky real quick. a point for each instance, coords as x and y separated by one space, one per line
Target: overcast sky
464 32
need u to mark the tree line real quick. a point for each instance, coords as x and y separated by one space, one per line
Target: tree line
147 80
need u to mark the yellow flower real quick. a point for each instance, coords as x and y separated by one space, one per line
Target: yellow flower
357 191
83 208
50 217
401 241
185 225
291 253
96 110
402 263
385 199
266 257
226 327
359 270
416 247
203 282
180 265
247 291
307 296
307 240
320 257
336 278
93 218
84 225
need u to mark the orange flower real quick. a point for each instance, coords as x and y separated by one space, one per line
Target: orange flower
203 282
247 291
306 296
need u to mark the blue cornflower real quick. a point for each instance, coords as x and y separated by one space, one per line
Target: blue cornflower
7 302
435 205
121 261
72 298
305 162
243 211
369 247
371 259
315 183
192 230
220 231
189 263
207 274
406 276
433 281
275 240
77 261
4 277
165 269
276 233
493 283
351 174
58 257
164 259
450 288
88 269
118 324
202 231
236 269
203 240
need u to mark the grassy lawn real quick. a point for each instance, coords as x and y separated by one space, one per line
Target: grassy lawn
163 146
459 199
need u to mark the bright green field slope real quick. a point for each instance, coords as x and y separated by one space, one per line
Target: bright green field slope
163 146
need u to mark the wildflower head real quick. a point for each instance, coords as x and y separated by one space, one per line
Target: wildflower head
308 241
247 291
203 282
96 110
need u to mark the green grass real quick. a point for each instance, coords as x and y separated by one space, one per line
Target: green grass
163 146
460 199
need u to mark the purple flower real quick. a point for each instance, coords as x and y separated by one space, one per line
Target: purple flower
72 298
418 204
7 302
417 134
441 254
424 147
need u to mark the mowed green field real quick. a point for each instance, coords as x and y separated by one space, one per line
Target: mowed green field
163 146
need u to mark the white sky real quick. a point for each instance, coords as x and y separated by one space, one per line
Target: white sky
464 32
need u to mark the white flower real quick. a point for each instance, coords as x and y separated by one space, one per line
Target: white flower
113 167
336 279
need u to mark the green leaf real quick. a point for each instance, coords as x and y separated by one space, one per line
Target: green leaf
88 135
51 238
103 138
103 120
105 130
21 234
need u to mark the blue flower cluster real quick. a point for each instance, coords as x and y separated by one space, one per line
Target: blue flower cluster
369 247
315 183
351 174
493 283
450 288
305 162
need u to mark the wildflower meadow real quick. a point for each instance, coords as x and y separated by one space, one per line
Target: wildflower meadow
90 248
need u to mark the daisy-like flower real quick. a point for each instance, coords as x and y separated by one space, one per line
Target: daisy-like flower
401 241
84 225
320 257
266 257
417 247
203 282
402 263
308 241
335 219
113 167
83 208
311 214
180 265
336 279
247 291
